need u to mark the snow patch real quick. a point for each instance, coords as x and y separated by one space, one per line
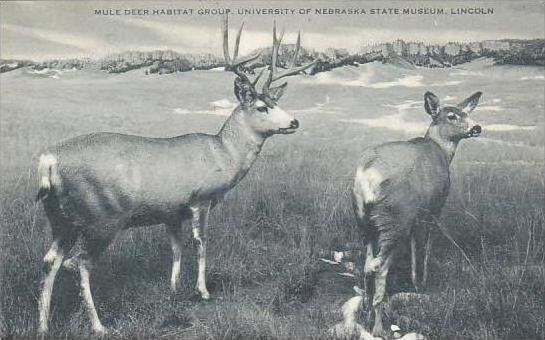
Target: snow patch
365 80
221 107
181 111
493 108
509 127
217 69
318 108
397 121
539 77
223 103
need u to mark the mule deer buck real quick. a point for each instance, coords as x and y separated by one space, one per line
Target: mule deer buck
400 187
94 186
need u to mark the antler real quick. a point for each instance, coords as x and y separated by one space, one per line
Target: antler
234 65
273 75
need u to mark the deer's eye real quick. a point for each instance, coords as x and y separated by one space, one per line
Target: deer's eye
452 116
263 109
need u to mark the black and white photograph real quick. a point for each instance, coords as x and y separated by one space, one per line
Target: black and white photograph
280 169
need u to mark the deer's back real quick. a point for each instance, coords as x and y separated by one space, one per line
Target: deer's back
412 177
126 177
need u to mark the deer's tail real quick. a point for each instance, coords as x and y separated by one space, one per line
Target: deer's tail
48 175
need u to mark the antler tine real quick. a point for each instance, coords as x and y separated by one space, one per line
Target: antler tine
273 75
226 41
294 71
274 52
233 64
237 41
274 57
296 52
278 41
254 83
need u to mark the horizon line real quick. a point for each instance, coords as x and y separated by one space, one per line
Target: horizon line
47 57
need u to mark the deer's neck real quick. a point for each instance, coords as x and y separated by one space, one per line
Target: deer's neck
241 142
442 138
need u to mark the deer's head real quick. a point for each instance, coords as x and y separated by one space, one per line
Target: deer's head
260 110
453 122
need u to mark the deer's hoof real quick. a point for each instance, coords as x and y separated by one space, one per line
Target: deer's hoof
100 331
203 293
378 332
205 296
41 333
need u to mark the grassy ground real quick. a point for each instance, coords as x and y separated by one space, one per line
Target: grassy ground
263 271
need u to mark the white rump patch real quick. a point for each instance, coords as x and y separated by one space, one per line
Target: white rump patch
369 181
47 171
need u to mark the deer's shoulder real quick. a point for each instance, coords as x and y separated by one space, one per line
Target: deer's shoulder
392 153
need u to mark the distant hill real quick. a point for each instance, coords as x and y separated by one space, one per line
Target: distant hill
506 51
399 53
7 65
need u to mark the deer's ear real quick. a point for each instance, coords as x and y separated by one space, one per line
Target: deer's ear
470 103
431 104
244 91
277 92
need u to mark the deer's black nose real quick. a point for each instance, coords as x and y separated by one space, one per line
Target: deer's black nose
294 124
476 129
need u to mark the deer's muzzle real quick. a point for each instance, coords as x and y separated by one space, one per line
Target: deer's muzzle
475 131
294 124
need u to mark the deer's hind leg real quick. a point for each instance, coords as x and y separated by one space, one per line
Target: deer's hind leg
389 232
85 254
63 240
199 224
85 286
379 298
53 258
368 277
176 240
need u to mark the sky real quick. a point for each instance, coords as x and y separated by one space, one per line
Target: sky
40 30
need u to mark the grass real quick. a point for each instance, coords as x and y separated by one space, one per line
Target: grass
263 271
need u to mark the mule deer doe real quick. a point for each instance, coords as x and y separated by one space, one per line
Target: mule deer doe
94 186
401 186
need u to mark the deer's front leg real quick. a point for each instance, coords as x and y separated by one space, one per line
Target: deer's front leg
199 224
427 253
414 264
